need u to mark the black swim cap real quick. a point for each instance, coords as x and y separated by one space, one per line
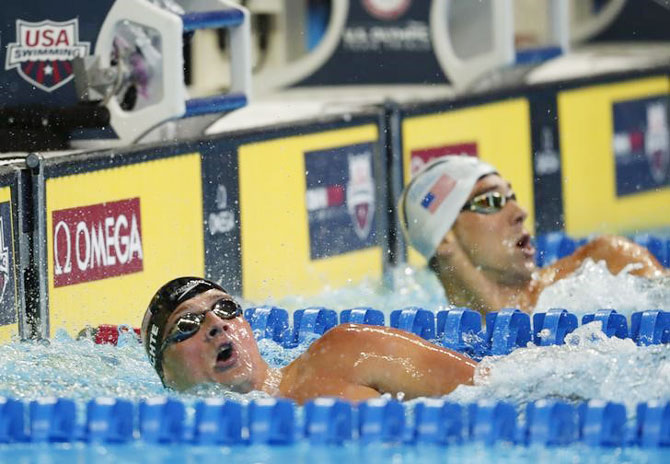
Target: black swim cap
163 303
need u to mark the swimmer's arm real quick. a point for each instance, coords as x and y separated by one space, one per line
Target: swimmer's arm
616 251
394 361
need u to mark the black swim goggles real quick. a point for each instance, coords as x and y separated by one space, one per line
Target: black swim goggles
488 203
188 324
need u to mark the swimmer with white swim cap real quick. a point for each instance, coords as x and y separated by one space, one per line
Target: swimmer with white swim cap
463 217
194 333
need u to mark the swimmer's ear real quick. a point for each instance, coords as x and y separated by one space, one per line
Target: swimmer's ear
448 245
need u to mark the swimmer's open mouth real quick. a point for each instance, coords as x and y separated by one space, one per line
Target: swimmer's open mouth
225 357
526 245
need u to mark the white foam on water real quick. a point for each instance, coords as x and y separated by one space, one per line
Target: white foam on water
589 366
593 287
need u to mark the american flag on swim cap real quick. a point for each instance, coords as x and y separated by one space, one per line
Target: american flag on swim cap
438 193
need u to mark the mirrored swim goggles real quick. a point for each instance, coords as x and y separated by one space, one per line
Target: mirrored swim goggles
488 203
188 324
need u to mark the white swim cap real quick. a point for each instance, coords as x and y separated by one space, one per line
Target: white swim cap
431 202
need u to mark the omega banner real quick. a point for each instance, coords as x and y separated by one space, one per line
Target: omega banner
115 235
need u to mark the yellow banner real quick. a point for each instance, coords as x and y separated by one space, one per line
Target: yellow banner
115 235
276 259
10 330
586 128
498 133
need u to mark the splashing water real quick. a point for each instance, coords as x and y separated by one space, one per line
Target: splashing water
593 287
588 366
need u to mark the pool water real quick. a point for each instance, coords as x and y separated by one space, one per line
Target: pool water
588 366
308 454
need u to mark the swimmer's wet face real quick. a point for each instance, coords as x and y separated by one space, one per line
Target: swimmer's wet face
222 349
497 242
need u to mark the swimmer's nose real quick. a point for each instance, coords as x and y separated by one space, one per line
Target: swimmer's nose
518 213
215 325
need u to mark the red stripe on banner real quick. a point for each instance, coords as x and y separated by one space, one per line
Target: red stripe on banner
428 154
335 195
636 141
422 156
67 66
28 67
56 72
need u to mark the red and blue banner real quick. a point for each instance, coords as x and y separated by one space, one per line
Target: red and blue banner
340 199
641 144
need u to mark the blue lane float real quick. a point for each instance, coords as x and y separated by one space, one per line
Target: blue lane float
550 328
461 329
613 323
507 330
418 321
438 422
653 424
650 327
363 315
328 421
278 422
551 423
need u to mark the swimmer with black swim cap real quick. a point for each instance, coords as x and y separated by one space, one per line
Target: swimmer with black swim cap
463 217
194 333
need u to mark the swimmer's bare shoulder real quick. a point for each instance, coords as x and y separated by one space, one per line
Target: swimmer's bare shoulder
373 360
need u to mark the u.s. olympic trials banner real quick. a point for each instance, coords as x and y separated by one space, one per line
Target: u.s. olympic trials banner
340 199
641 144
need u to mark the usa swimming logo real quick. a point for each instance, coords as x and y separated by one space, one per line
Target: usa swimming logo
361 193
43 52
438 193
